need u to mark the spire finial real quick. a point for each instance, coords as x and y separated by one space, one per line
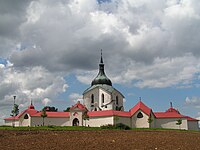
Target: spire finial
140 99
171 104
101 58
31 102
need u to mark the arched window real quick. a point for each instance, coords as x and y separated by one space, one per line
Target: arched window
92 98
102 98
117 100
139 115
26 116
95 109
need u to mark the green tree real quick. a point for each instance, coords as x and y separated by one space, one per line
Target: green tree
15 112
67 110
150 120
50 109
179 122
85 117
43 115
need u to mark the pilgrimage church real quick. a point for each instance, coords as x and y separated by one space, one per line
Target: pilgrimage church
103 105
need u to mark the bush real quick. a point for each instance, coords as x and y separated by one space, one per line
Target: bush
51 126
108 126
122 126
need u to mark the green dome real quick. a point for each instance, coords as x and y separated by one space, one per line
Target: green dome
101 78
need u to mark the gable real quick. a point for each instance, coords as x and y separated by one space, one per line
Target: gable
141 106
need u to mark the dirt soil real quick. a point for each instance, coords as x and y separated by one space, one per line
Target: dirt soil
102 139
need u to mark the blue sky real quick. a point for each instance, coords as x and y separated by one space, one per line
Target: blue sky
50 52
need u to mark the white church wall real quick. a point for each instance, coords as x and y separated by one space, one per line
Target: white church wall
124 120
87 98
11 122
24 122
171 123
153 123
99 121
56 121
76 113
193 125
140 122
120 98
107 99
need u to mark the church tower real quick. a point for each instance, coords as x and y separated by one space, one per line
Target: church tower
101 95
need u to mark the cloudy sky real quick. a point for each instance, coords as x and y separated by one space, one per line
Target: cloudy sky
50 50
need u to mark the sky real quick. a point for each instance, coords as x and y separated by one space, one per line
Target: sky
50 51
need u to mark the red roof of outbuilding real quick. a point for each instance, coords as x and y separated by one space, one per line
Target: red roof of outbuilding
52 114
140 106
191 119
78 105
30 111
168 115
104 113
172 113
171 109
12 118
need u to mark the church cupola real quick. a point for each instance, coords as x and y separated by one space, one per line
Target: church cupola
101 78
31 106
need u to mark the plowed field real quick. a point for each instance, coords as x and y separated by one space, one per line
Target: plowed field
99 139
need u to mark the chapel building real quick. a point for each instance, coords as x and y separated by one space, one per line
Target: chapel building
103 105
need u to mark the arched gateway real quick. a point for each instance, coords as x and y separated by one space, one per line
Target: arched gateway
75 122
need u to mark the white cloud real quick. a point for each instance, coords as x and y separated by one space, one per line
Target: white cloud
46 101
194 101
152 44
35 84
74 97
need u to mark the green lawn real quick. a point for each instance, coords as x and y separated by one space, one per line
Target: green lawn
82 128
49 128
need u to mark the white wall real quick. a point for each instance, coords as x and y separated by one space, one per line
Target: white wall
38 121
97 92
171 123
76 113
107 99
24 122
120 99
87 98
99 121
193 125
139 122
124 120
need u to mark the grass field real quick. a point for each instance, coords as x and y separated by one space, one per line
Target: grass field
54 128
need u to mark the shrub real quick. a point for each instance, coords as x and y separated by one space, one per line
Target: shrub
122 126
108 126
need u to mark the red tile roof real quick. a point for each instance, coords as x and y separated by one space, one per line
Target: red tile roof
172 113
140 106
104 113
78 105
168 115
171 109
52 114
30 111
12 118
191 119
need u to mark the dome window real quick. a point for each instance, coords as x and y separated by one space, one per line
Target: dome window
139 115
102 98
26 116
92 98
117 100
